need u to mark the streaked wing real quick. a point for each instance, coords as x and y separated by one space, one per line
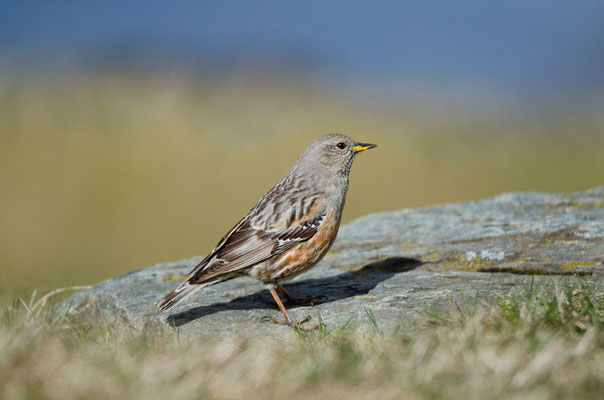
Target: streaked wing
219 246
247 244
300 233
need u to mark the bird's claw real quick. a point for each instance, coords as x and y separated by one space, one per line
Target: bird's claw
290 323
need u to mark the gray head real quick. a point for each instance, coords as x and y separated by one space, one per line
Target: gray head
332 152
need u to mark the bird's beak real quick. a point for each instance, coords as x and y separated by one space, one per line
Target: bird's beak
363 146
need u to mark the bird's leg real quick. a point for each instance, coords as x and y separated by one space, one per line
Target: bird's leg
288 321
306 300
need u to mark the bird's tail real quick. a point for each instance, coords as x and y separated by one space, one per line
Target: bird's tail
183 291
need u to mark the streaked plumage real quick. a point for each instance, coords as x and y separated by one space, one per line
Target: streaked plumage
289 230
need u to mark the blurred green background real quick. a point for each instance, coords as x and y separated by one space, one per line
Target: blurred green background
111 161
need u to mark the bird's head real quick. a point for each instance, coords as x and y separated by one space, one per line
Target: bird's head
334 152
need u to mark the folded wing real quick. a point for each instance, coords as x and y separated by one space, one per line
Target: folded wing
247 246
244 246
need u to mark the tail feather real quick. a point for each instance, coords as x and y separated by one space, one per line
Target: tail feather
176 296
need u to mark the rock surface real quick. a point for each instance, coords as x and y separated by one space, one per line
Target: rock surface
399 265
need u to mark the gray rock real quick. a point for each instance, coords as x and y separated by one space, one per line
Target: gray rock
400 265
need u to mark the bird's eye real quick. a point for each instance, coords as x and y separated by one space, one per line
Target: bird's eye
341 145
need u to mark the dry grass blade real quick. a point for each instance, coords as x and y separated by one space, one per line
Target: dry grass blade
41 303
525 345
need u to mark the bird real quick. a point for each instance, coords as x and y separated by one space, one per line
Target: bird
288 231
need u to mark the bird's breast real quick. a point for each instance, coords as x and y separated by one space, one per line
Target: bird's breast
301 257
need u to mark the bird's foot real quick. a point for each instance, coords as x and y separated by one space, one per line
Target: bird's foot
291 323
304 301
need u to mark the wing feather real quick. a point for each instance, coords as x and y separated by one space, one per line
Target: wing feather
256 238
246 246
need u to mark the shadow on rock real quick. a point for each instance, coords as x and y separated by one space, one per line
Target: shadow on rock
349 284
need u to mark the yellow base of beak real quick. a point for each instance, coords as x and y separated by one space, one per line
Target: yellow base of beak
363 147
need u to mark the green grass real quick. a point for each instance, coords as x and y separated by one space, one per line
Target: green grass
539 342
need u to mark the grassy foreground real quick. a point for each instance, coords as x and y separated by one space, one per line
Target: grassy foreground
541 342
